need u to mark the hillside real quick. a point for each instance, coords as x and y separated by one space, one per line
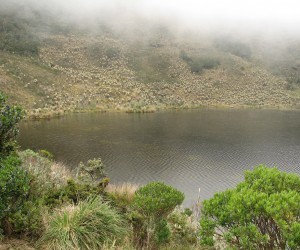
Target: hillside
50 68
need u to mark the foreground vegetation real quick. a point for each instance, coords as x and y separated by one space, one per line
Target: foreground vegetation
53 208
260 213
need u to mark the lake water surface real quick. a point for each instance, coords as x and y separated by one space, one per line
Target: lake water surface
207 149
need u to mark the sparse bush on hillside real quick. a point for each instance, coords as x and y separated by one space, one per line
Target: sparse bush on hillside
16 38
88 225
293 81
150 65
234 47
199 63
98 51
260 213
112 53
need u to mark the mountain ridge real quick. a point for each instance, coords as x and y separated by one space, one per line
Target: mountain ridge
63 68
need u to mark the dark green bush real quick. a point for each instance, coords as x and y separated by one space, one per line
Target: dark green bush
49 190
91 172
153 203
162 232
73 192
46 154
200 62
90 180
51 185
14 188
16 37
157 199
28 219
236 48
9 118
260 213
112 53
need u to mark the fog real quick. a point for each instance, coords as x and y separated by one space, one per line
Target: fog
239 15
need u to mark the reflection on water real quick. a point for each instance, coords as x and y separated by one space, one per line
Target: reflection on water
209 149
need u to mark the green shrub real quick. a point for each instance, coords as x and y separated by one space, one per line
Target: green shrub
93 171
88 225
183 226
14 188
45 177
46 154
157 199
73 192
51 185
153 203
162 232
28 219
260 213
9 118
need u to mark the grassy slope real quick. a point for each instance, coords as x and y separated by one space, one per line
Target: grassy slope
76 70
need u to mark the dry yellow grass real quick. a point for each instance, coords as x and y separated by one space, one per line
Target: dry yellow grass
47 172
122 193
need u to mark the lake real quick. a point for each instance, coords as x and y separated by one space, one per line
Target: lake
207 149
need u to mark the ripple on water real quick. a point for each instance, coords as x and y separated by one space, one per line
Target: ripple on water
209 149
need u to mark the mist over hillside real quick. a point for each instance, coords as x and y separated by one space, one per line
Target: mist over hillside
140 56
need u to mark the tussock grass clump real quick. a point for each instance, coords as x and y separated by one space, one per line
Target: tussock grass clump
122 195
89 225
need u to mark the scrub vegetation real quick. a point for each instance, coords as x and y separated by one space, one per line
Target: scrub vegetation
52 63
54 208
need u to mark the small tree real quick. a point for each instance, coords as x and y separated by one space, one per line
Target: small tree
260 213
9 118
14 182
14 187
93 171
153 203
157 199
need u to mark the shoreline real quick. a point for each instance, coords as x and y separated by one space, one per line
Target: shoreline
30 115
